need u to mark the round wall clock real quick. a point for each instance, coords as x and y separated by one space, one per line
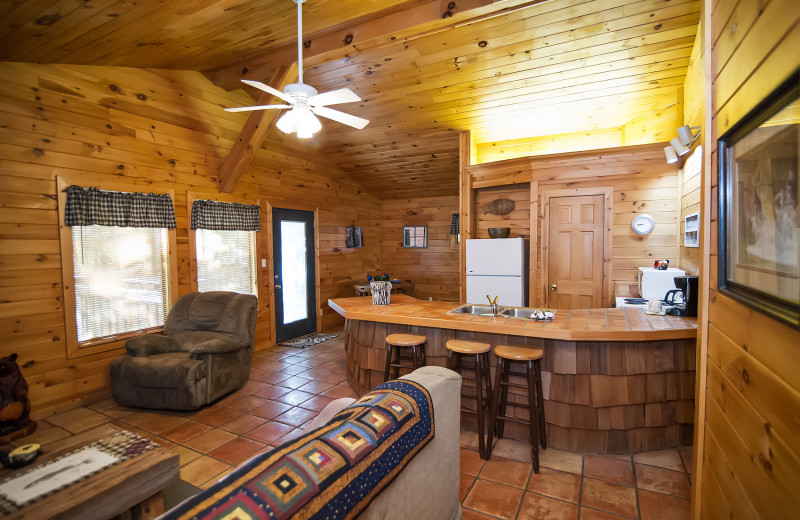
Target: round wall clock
643 224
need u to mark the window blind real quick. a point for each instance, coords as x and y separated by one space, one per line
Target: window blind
226 261
121 279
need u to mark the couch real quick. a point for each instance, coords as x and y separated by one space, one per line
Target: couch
204 353
426 488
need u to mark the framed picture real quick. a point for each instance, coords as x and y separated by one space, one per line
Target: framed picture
355 236
759 229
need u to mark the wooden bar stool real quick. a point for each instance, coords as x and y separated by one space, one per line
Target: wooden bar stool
482 379
532 357
395 343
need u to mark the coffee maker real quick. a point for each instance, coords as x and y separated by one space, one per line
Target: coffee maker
690 287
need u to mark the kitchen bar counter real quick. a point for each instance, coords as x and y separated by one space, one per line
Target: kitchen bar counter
614 380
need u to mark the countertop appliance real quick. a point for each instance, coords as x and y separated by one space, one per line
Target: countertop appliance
690 290
654 283
498 267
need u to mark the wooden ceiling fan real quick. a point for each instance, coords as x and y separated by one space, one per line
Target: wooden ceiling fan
304 101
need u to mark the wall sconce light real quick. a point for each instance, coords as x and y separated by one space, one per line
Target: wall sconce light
681 144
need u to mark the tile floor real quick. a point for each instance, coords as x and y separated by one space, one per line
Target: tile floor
289 386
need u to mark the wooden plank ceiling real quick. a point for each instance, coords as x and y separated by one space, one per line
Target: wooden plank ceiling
425 70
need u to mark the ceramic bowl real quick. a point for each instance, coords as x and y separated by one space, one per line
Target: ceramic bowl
499 232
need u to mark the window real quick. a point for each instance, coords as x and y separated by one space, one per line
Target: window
415 236
226 261
121 280
118 262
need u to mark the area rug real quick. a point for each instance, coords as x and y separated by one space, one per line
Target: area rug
309 340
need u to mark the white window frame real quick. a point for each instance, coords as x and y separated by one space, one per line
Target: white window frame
94 346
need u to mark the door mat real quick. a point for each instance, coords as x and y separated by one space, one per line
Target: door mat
309 340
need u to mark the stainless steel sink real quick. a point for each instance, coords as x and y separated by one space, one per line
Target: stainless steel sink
524 312
477 310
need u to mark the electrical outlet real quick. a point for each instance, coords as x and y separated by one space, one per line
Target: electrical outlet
263 262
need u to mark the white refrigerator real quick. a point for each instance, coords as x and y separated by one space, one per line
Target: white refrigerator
497 267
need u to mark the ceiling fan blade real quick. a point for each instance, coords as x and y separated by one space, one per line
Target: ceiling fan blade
341 117
257 107
268 89
334 97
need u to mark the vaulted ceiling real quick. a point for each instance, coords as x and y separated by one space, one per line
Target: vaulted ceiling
425 70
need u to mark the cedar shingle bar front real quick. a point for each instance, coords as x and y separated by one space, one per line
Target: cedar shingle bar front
614 380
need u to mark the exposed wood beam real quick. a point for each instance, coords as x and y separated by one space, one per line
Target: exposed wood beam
410 21
254 132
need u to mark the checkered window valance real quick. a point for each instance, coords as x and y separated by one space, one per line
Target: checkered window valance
454 224
227 216
93 207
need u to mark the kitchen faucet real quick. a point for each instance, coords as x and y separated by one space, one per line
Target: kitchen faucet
493 303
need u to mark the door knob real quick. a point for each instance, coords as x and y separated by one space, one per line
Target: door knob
277 286
553 287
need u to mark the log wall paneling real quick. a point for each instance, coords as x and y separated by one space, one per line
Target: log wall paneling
749 447
434 270
519 220
140 130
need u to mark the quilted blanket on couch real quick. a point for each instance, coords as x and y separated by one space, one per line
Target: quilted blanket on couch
332 472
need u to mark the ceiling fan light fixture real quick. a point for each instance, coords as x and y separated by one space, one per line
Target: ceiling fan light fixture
299 120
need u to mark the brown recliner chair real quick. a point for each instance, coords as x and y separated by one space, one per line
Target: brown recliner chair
205 353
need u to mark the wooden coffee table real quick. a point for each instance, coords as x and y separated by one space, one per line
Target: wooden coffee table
134 484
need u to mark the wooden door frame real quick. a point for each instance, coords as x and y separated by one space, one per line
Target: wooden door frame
270 283
608 194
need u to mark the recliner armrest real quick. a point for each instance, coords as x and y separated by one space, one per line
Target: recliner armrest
217 346
150 344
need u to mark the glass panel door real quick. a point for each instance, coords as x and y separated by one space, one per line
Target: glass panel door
295 277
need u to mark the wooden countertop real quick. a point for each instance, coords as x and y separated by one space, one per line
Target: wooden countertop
625 324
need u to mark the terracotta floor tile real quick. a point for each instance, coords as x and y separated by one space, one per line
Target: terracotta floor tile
201 470
315 387
465 482
295 397
186 455
506 471
593 514
244 402
686 447
556 484
512 449
655 506
338 391
154 422
209 440
269 433
237 450
294 382
561 460
606 496
217 415
273 392
118 412
210 482
252 387
469 439
317 403
688 461
494 499
60 419
538 507
292 435
619 456
469 514
271 409
243 424
669 459
184 432
608 468
292 370
105 404
471 462
663 480
86 423
296 416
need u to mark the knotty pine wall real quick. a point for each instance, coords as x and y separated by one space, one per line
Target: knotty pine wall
141 127
433 270
519 220
751 449
693 115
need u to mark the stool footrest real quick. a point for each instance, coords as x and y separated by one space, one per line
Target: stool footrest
512 419
514 385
